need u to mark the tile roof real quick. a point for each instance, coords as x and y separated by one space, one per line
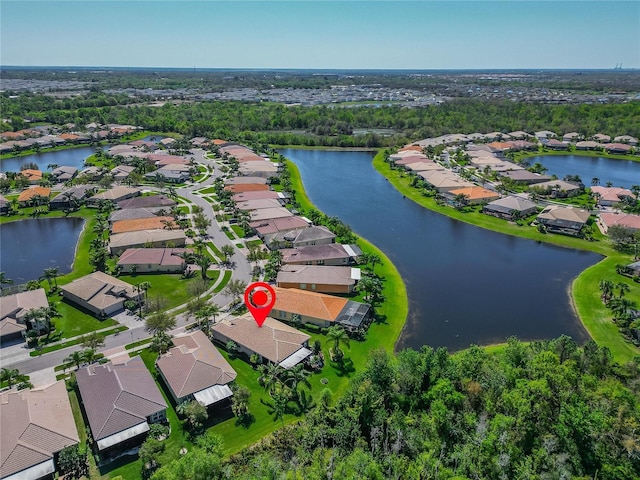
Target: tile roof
274 341
193 365
147 201
475 193
100 290
612 194
116 193
310 274
245 180
17 305
264 227
556 213
118 397
151 256
133 213
511 203
257 195
249 187
623 219
320 252
140 237
34 425
31 192
136 224
310 304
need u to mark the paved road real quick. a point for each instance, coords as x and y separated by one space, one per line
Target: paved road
241 271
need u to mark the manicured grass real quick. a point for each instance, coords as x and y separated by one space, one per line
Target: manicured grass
225 279
133 345
82 432
70 343
207 190
254 243
238 231
229 234
595 316
169 286
215 249
73 321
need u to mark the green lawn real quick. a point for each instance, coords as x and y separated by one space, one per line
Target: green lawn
238 231
225 279
167 285
207 190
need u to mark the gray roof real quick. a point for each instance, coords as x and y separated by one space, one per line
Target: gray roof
141 237
317 274
510 203
526 176
134 213
118 397
35 425
320 252
147 201
100 290
245 180
194 364
14 307
78 192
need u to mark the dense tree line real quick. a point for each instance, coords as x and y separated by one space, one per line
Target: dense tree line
544 410
330 125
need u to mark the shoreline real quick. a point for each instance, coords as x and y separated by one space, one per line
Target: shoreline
599 328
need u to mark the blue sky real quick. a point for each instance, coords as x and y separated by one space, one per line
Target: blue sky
321 34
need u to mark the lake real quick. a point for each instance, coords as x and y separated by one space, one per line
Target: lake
29 246
70 157
465 284
621 173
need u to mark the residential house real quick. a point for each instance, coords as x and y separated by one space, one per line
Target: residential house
149 223
135 213
121 172
73 195
260 168
259 195
159 238
554 144
115 194
635 268
147 201
250 187
321 279
544 134
31 193
101 294
587 145
608 196
4 204
274 341
424 166
151 260
444 181
250 205
626 220
333 254
35 425
34 176
120 401
245 180
620 148
64 174
168 174
602 138
300 237
268 214
559 188
525 176
510 208
195 369
275 225
473 195
564 220
519 135
571 137
300 306
628 139
14 308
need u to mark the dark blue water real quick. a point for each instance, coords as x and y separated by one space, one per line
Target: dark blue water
29 246
621 173
465 285
70 157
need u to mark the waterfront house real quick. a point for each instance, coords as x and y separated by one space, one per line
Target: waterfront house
274 341
587 145
151 260
101 294
268 214
275 225
525 176
510 207
608 196
635 268
323 279
554 144
602 138
259 195
619 148
443 181
135 213
249 187
571 137
261 204
424 166
628 139
115 194
73 195
559 188
31 193
120 401
63 174
300 306
34 176
473 195
137 224
14 308
121 172
564 220
36 425
245 180
159 238
334 254
300 237
147 201
195 369
544 134
626 220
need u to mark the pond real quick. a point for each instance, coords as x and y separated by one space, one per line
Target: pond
465 284
621 173
70 157
29 246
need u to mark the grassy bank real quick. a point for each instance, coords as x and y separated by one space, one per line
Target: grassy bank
586 297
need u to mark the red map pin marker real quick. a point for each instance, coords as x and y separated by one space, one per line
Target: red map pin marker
258 301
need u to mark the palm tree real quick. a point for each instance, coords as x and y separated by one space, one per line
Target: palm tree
271 376
227 252
339 337
11 376
50 275
235 288
204 262
623 288
33 285
207 312
606 289
89 355
4 280
296 376
76 358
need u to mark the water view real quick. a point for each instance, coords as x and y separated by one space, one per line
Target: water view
70 157
465 284
621 173
29 246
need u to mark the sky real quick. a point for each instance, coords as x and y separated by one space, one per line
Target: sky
319 34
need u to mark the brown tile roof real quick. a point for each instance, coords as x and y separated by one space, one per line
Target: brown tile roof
329 251
275 340
415 148
136 224
151 256
31 174
100 290
116 193
317 274
31 192
14 307
34 425
475 193
247 187
68 136
257 195
623 219
310 304
612 194
118 397
274 225
193 365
